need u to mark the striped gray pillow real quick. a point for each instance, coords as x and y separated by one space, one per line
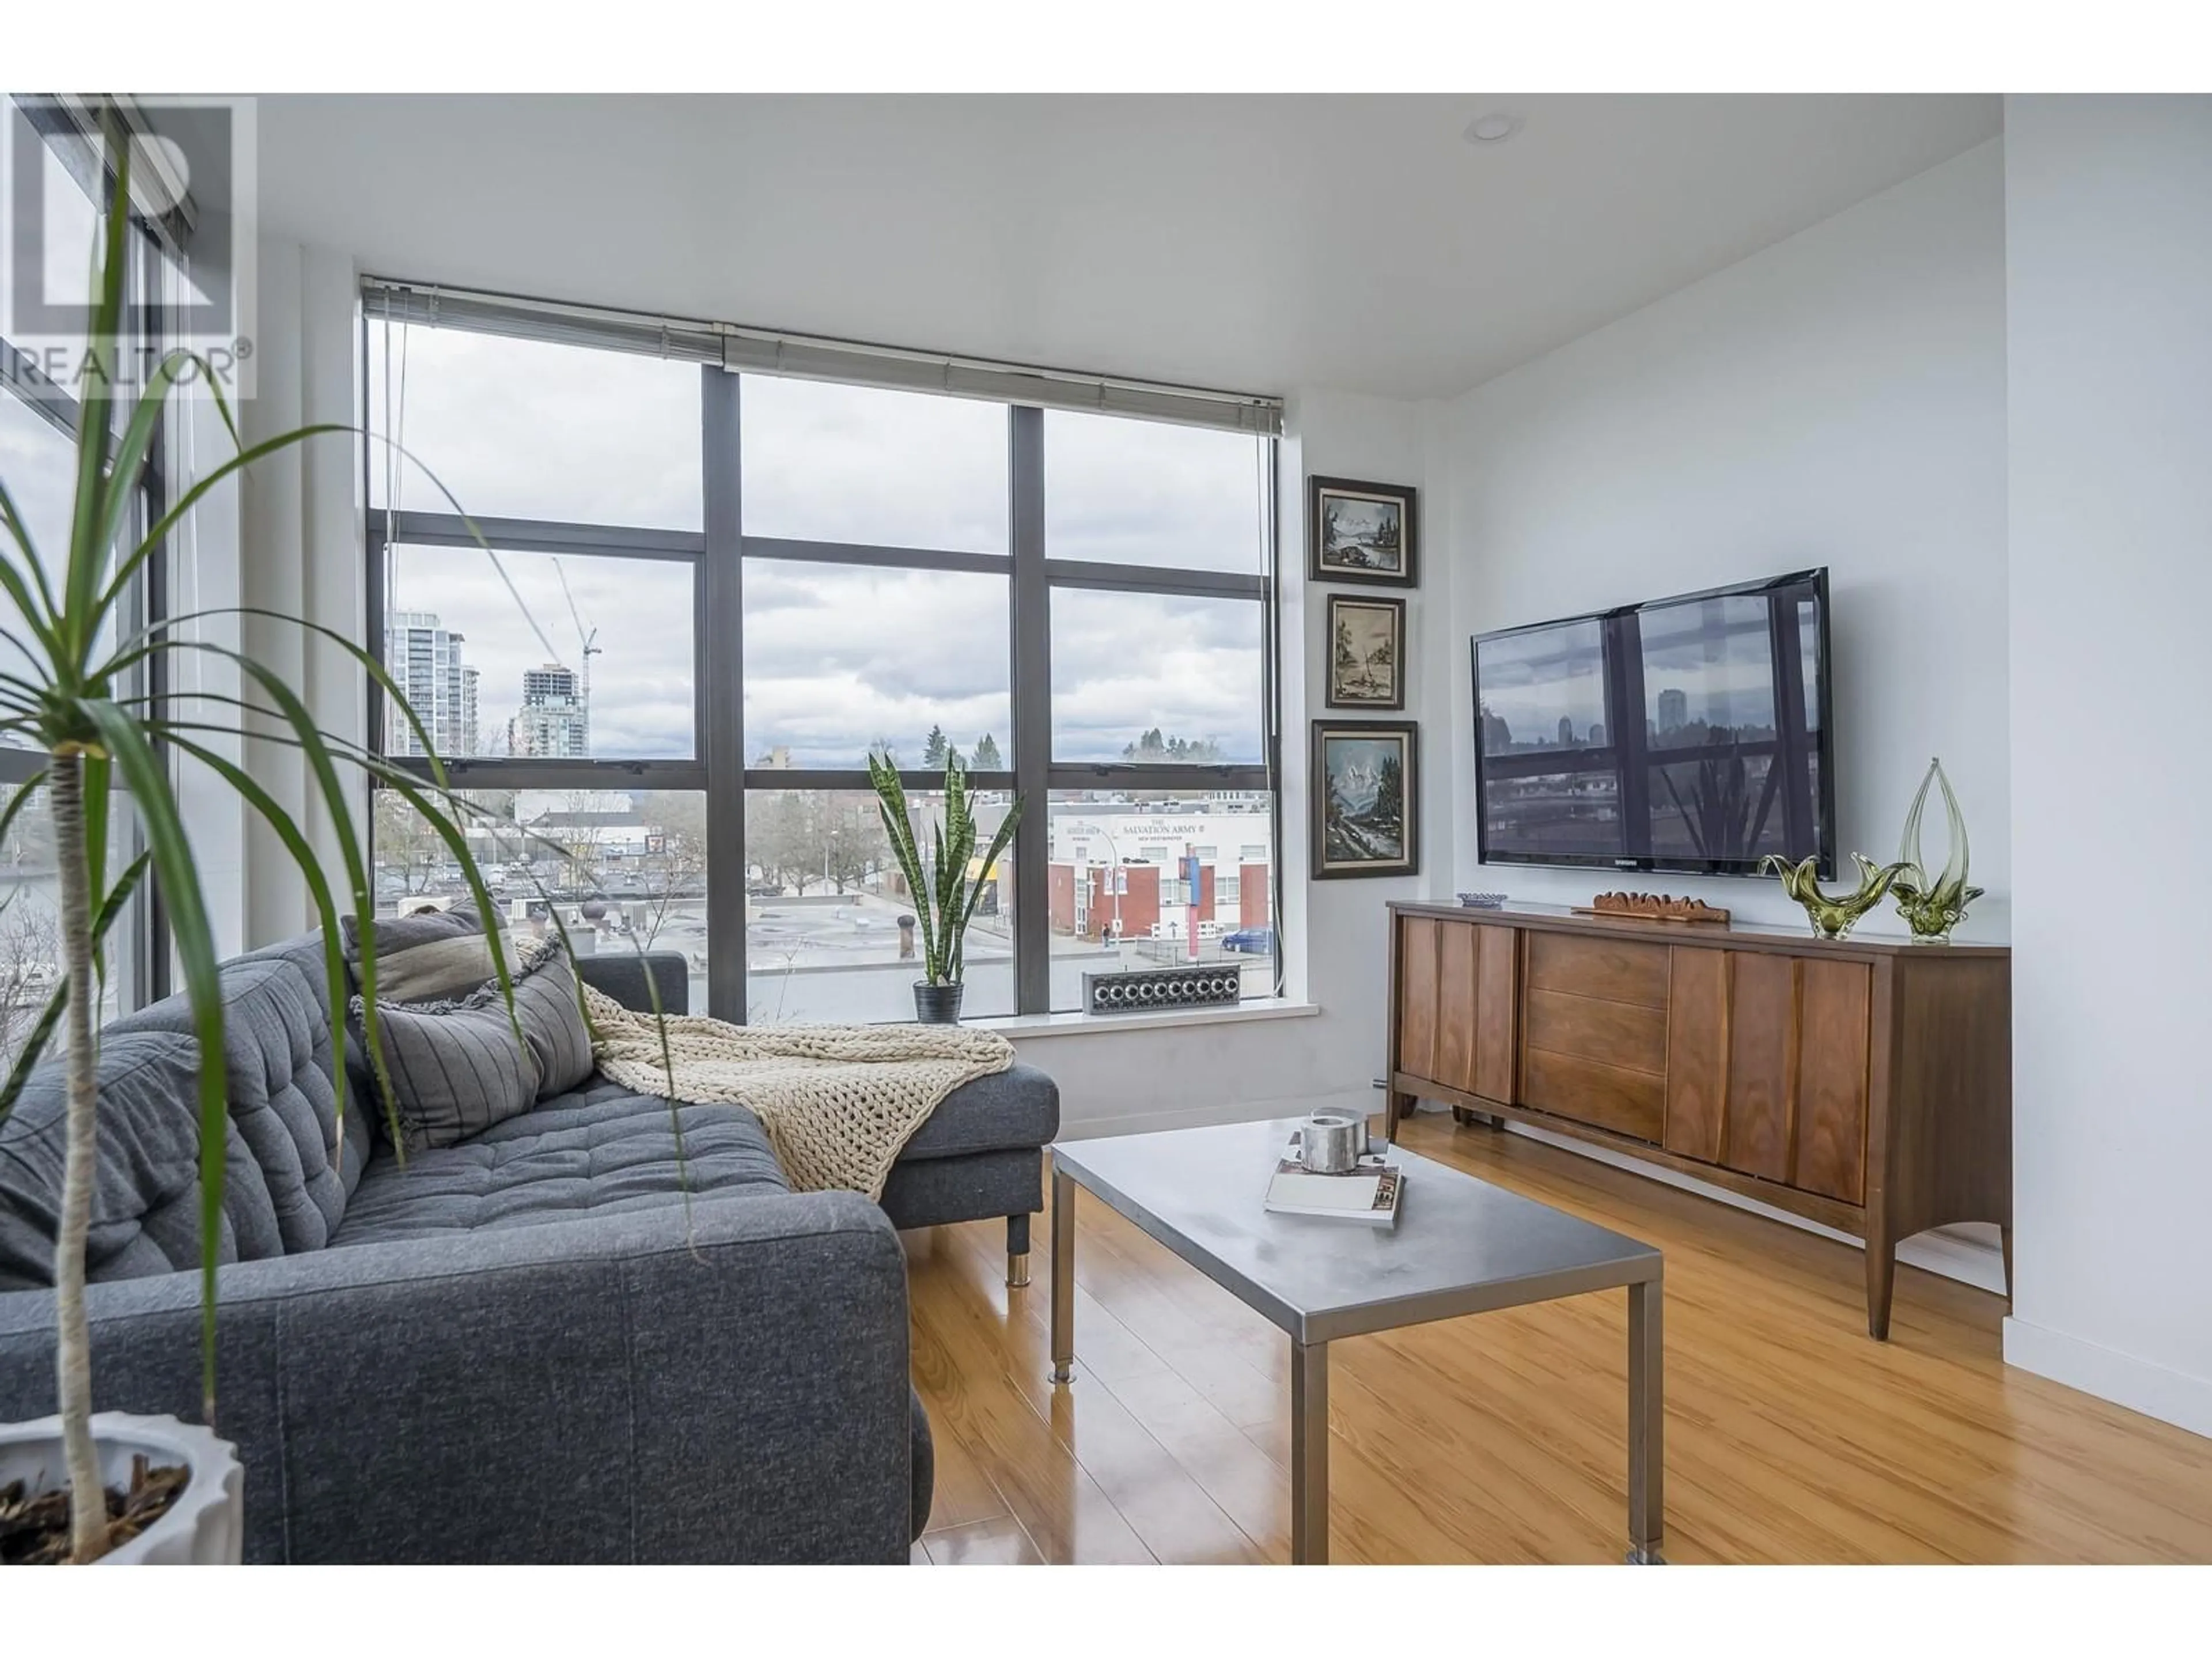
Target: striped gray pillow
456 1069
552 1017
433 956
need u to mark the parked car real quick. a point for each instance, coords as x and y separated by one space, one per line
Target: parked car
1252 941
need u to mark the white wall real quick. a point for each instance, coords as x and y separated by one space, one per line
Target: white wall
1333 930
2109 265
1837 400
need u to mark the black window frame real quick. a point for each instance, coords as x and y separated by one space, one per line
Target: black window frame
147 307
718 553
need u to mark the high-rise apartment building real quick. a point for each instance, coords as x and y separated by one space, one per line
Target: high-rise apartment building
425 662
555 722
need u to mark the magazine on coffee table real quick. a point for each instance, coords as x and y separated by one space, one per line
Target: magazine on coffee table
1368 1193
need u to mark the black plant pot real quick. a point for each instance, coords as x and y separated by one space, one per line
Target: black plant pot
936 1005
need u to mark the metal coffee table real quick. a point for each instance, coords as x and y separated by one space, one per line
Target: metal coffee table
1461 1246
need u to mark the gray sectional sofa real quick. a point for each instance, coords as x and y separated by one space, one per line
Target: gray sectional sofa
524 1348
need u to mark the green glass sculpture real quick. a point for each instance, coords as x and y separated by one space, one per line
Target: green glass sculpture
1831 917
1932 908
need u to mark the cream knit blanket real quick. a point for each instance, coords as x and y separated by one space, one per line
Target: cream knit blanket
838 1101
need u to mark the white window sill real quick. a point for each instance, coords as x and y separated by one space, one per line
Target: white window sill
1022 1027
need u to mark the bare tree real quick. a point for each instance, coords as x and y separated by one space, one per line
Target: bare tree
406 847
30 952
675 854
801 836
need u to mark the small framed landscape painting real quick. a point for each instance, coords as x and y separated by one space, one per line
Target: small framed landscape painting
1366 800
1360 532
1366 653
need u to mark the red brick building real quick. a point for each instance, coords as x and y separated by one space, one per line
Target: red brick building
1092 903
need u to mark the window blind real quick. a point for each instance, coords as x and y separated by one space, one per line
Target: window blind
758 351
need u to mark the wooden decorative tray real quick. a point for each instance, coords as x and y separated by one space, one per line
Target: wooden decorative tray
1653 907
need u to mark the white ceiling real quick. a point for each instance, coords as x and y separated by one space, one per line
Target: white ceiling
1256 244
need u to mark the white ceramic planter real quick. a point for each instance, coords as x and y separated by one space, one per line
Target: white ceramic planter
205 1526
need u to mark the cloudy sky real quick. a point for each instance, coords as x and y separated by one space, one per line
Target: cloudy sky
836 658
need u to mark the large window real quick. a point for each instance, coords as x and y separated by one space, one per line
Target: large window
38 422
733 597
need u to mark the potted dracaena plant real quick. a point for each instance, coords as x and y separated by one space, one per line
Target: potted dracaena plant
936 868
69 698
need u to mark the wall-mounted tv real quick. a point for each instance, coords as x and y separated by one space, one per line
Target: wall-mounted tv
1689 734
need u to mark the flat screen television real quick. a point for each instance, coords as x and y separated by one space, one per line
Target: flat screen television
1689 734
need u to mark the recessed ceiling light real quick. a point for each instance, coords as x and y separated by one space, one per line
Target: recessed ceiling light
1495 128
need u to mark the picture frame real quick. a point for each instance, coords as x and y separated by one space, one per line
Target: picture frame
1365 643
1361 532
1365 794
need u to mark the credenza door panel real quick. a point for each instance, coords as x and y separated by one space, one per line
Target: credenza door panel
1459 992
1762 1067
1768 1066
1417 995
1697 1052
1457 949
1498 1013
1833 1032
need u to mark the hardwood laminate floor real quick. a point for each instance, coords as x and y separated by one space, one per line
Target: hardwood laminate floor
1791 1436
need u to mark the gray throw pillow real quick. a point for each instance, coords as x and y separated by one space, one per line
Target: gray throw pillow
552 1017
434 955
439 969
396 934
456 1069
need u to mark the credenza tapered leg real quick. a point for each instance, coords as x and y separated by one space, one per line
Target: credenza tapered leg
1881 1275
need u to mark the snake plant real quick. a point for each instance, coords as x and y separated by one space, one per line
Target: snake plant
944 898
72 700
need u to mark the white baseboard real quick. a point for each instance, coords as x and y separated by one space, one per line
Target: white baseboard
1970 1255
2139 1384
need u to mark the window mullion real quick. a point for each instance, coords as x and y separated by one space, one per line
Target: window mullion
1032 698
720 672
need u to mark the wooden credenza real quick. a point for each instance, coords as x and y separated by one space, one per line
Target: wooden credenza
1864 1084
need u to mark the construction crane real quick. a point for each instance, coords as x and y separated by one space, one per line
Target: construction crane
587 650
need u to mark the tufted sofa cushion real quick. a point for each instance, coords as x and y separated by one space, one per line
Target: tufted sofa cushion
599 1149
1017 1108
363 1111
277 1075
281 1191
146 1195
